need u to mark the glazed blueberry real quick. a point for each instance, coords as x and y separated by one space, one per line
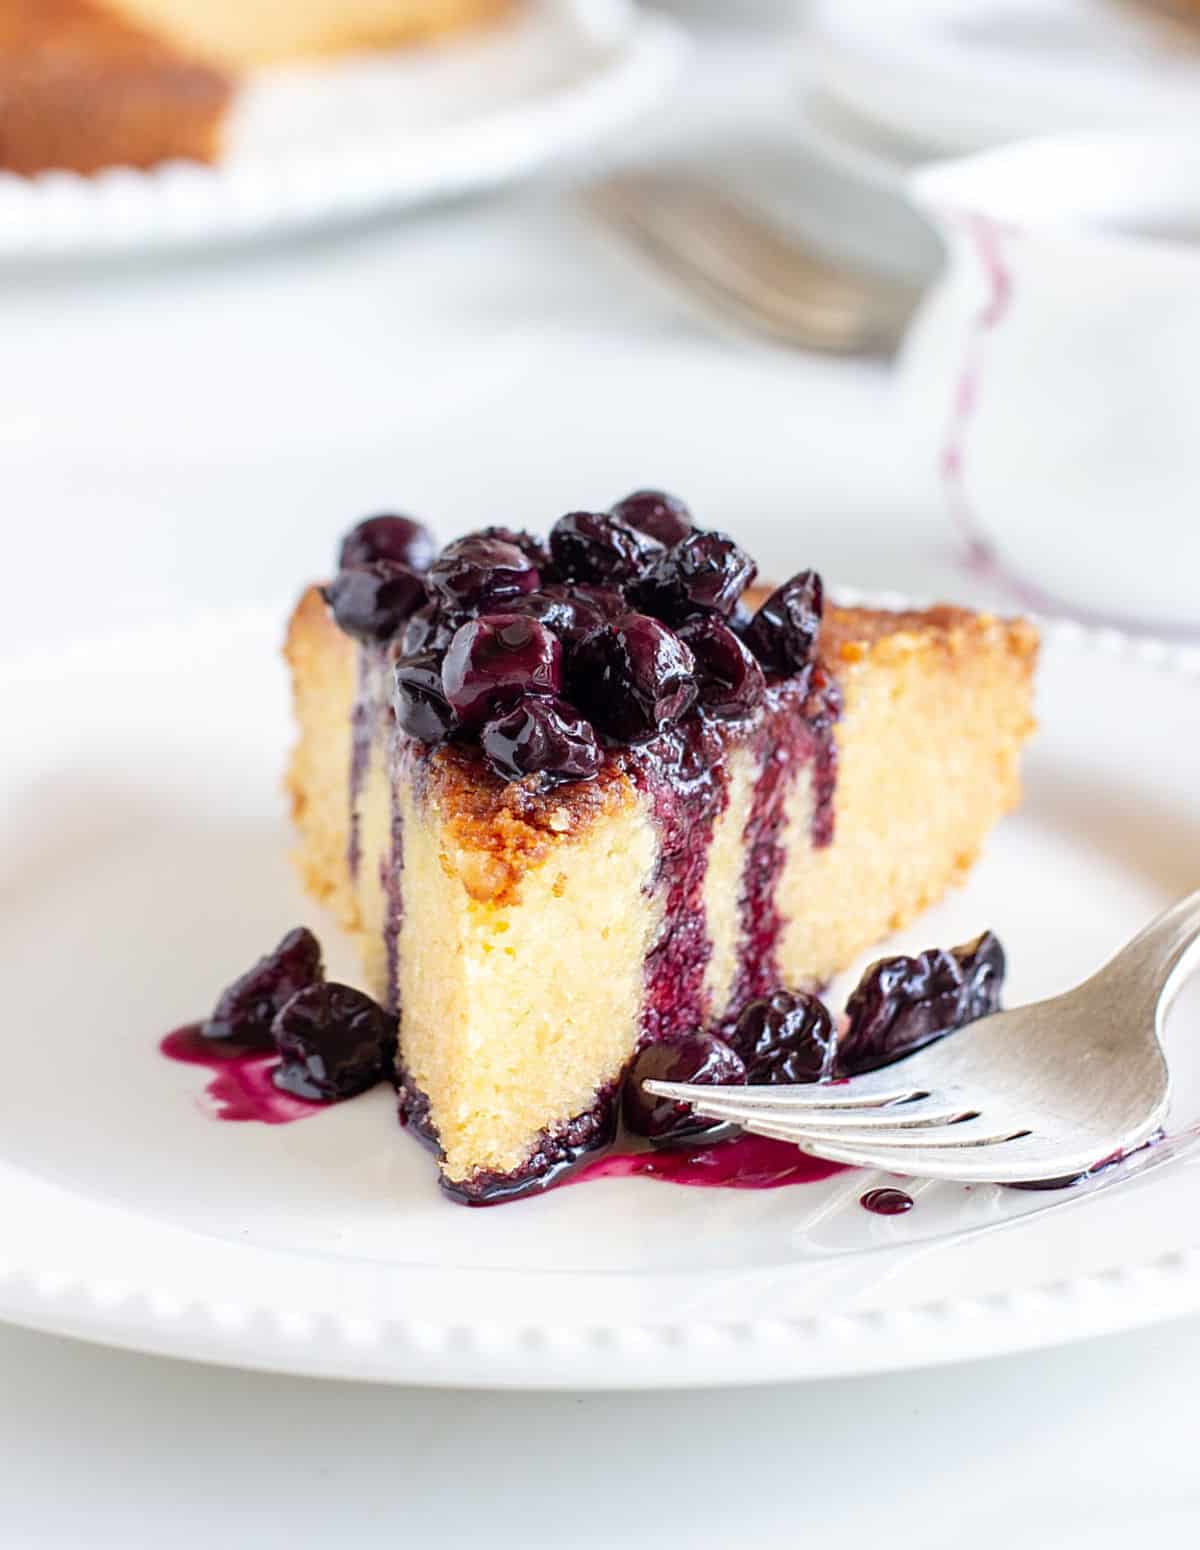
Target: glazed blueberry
333 1042
730 679
571 612
633 677
531 546
662 516
902 1003
984 965
704 573
541 736
787 1037
422 709
783 633
371 602
477 572
429 629
398 539
247 1008
700 1057
496 658
592 546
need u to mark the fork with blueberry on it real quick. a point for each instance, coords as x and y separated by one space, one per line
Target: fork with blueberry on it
1045 1092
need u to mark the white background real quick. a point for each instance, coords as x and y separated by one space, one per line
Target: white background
197 434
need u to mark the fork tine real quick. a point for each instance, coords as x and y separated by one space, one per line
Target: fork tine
919 1115
1013 1162
863 1092
975 1131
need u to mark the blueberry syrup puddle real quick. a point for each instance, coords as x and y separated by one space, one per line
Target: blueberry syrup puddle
742 1162
241 1089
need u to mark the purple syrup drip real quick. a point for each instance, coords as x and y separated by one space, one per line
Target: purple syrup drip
886 1202
743 1162
391 865
241 1086
785 745
686 779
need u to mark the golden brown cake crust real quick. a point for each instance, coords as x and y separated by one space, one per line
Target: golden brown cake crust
80 89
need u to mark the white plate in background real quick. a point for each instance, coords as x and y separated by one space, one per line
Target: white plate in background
320 143
143 861
957 75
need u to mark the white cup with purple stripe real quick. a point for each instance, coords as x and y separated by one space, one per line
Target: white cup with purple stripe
1051 381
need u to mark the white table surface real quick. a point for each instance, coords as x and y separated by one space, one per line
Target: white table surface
197 434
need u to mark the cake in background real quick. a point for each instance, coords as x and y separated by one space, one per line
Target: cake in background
87 84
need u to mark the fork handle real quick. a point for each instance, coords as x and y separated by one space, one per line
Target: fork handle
1161 956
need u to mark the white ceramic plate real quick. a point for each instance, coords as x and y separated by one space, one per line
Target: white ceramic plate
312 145
961 74
143 854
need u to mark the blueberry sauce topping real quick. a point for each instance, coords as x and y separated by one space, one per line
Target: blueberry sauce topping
786 1037
637 622
400 539
333 1042
541 736
660 516
699 1057
902 1003
496 659
246 1009
371 602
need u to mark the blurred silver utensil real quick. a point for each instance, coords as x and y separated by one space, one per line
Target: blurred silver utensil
1045 1092
743 270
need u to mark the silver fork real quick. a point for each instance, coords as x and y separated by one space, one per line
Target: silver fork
746 271
1046 1091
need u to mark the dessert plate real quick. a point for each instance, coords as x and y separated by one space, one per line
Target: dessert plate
316 144
958 75
142 864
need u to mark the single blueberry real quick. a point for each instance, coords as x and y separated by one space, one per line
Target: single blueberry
475 572
592 546
531 546
246 1009
783 633
571 612
371 602
904 1002
544 737
429 629
703 573
632 678
422 710
662 516
496 658
333 1042
699 1057
984 966
786 1037
731 681
400 539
